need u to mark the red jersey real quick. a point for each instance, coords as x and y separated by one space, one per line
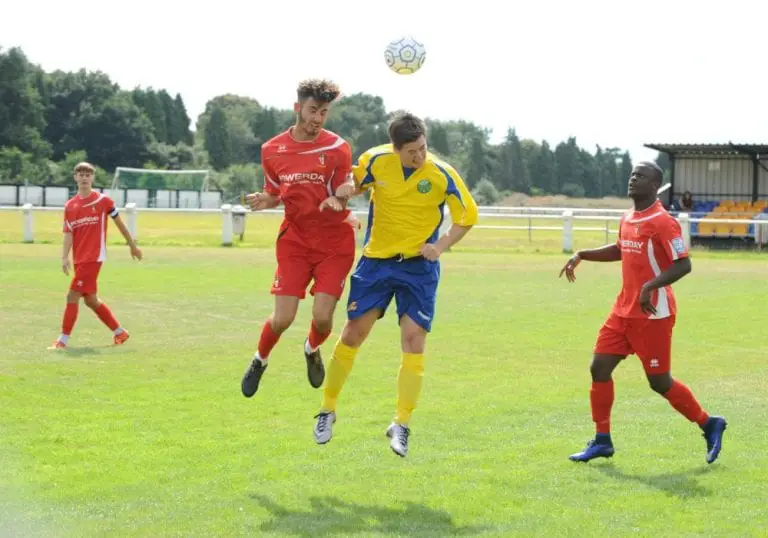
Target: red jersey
303 174
650 241
86 219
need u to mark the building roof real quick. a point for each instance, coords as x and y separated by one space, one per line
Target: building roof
729 148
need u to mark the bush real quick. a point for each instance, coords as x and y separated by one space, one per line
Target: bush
485 193
573 190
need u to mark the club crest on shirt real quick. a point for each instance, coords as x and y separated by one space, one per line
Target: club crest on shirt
321 158
424 186
678 245
637 229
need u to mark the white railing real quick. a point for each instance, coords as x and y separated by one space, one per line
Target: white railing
233 220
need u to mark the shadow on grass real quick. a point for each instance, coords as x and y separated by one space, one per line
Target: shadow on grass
682 484
329 516
87 351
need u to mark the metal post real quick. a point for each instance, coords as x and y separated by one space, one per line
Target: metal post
227 226
130 210
568 231
29 235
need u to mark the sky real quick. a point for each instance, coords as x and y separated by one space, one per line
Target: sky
614 73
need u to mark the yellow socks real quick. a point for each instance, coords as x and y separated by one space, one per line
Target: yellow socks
409 385
341 363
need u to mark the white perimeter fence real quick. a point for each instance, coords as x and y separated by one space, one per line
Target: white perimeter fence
233 220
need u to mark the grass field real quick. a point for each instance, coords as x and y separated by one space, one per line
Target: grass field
153 438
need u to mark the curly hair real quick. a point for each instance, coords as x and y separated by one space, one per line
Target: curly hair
322 91
405 128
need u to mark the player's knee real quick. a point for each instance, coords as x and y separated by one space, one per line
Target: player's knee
281 322
600 370
413 340
660 383
323 320
91 301
73 297
354 333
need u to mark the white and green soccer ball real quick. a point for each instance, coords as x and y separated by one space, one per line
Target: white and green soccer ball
405 55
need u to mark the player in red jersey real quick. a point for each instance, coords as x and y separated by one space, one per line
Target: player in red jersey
653 256
303 168
85 233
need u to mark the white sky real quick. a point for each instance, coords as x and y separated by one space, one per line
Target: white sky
621 72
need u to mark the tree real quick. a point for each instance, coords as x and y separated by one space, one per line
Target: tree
625 170
515 175
218 143
241 113
544 170
22 118
569 167
437 136
85 110
179 123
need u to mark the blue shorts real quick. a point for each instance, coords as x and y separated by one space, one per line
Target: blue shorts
412 282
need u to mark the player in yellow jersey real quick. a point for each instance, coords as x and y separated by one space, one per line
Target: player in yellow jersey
409 188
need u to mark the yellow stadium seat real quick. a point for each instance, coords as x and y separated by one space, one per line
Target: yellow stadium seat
706 228
722 229
739 229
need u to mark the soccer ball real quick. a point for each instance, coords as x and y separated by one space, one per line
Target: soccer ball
405 56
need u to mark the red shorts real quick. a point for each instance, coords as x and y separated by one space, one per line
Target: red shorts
649 339
300 261
86 275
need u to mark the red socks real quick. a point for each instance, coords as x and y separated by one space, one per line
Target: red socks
316 338
268 340
682 399
70 316
601 401
106 317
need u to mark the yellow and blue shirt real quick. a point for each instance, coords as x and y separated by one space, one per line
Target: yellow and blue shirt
406 208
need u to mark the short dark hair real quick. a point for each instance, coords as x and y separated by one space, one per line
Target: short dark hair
655 167
405 128
321 90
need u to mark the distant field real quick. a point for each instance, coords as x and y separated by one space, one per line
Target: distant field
154 438
204 229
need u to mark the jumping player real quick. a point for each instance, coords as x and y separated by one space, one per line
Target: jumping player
409 187
653 256
303 167
85 233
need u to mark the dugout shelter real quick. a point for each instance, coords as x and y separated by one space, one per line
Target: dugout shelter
727 181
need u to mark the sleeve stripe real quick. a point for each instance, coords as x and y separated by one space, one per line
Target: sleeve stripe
451 189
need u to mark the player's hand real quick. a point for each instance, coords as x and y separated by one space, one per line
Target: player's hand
354 221
346 190
136 253
570 267
65 265
645 301
257 200
430 251
332 203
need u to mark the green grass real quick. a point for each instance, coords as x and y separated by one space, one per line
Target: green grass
154 438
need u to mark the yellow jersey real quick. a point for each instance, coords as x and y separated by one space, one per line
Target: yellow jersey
406 207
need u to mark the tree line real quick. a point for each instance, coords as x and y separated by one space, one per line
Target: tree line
50 121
